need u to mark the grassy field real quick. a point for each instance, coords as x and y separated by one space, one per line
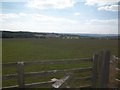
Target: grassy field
14 50
40 49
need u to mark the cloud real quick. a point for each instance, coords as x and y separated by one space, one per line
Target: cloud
108 26
77 14
40 17
13 0
34 21
43 23
103 22
110 8
35 17
106 5
10 15
100 2
22 14
46 4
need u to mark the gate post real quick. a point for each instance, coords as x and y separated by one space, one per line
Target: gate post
113 72
95 71
20 69
104 77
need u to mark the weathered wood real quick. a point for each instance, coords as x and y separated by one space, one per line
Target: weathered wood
46 73
20 69
9 87
100 63
21 75
75 79
100 69
113 72
63 61
48 62
61 81
52 72
38 84
95 71
117 83
82 78
10 76
12 64
118 69
86 86
105 70
32 85
117 80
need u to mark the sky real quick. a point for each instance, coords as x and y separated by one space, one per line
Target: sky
60 16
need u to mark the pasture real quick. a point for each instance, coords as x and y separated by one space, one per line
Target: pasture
45 49
14 50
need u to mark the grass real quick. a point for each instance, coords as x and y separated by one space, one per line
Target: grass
14 50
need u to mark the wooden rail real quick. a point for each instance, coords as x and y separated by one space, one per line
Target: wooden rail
46 73
20 75
99 70
118 80
118 69
49 62
38 84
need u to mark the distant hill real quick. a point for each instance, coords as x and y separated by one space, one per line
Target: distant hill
115 36
9 34
111 36
22 34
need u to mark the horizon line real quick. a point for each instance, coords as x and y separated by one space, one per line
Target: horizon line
61 32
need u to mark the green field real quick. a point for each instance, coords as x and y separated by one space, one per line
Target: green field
14 50
40 49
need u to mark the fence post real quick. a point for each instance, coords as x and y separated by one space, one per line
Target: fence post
104 78
100 69
95 71
20 69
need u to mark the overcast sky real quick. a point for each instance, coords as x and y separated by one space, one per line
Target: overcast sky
60 16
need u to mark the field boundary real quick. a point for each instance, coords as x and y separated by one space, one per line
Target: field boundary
100 72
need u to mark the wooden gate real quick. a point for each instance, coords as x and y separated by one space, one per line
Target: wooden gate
100 72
